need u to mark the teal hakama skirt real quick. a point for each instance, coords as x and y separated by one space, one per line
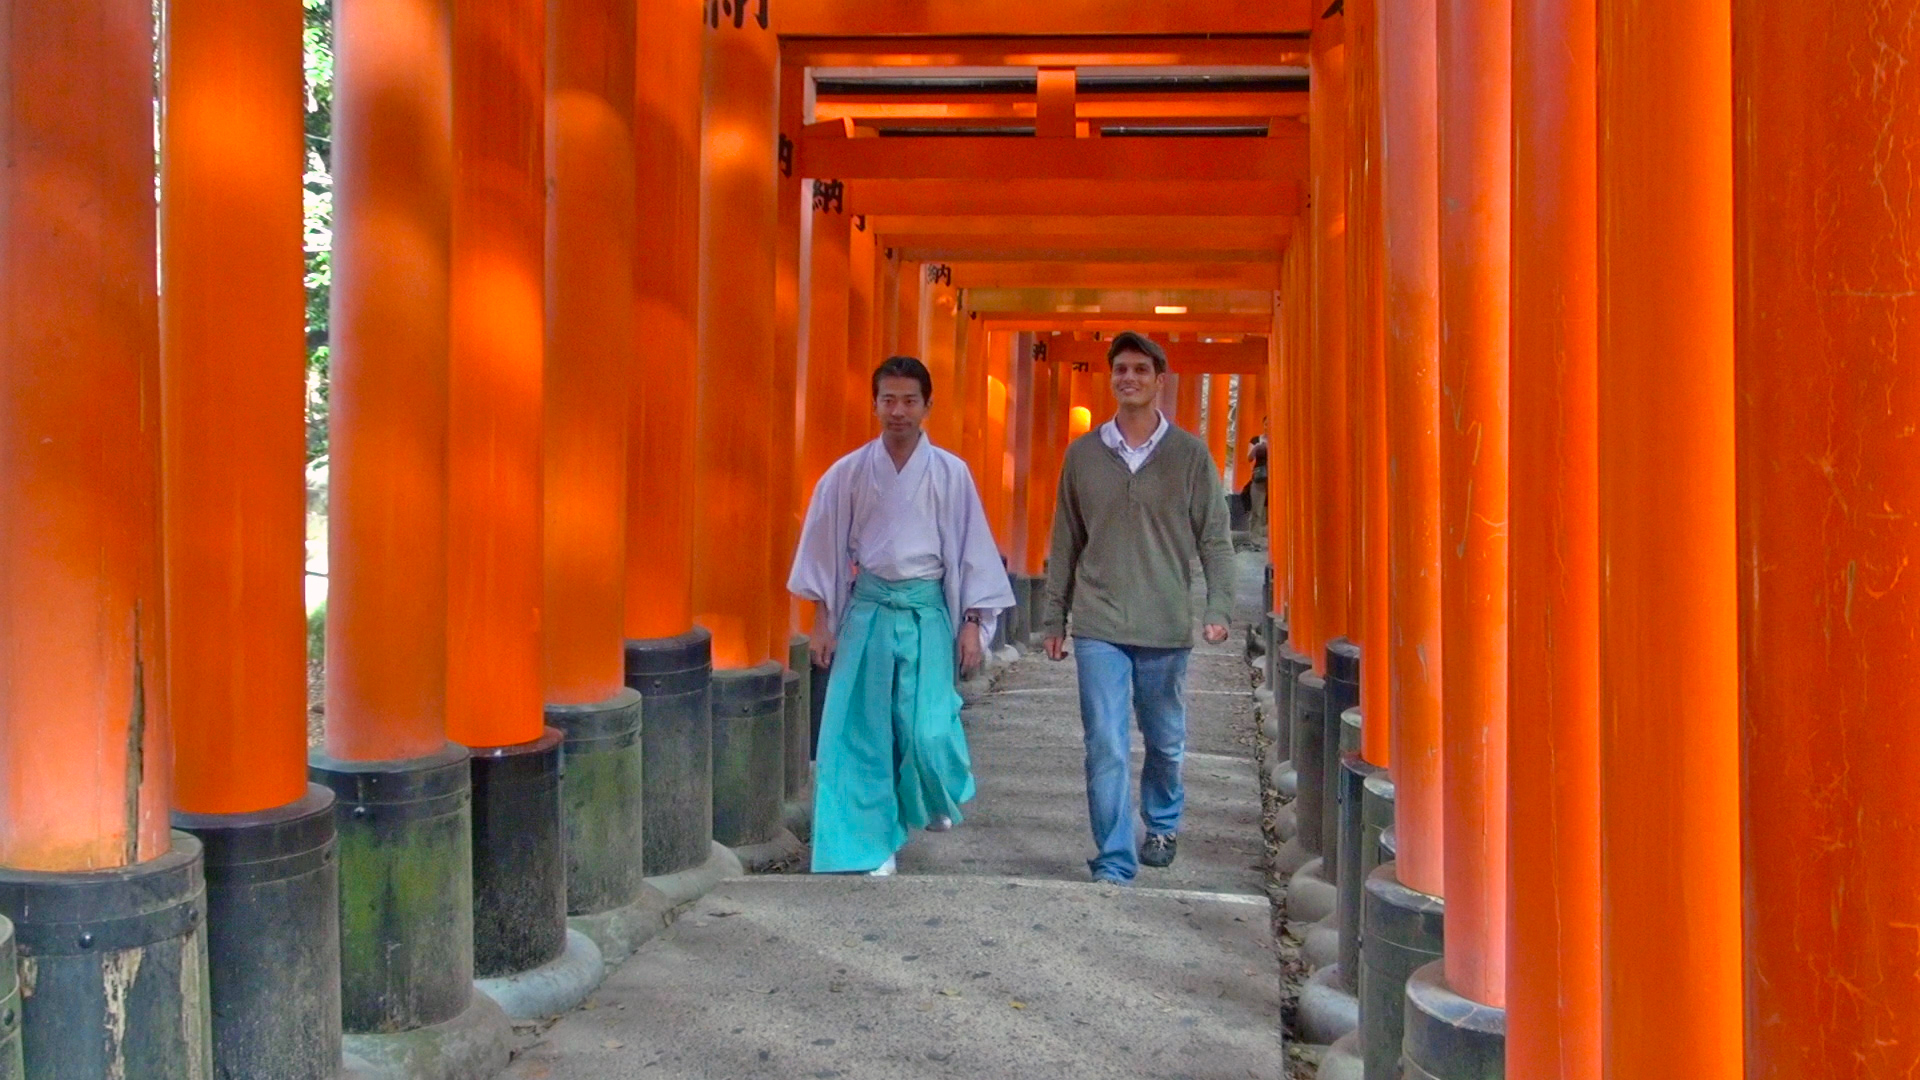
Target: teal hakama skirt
892 754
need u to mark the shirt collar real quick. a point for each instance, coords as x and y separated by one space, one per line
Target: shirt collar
1110 434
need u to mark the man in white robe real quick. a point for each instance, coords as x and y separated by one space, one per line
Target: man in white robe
895 554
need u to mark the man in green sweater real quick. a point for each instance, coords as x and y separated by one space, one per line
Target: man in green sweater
1139 501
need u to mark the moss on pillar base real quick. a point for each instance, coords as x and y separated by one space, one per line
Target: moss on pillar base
1402 933
749 750
674 678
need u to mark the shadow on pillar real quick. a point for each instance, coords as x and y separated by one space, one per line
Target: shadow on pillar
273 938
1401 933
798 812
111 950
749 767
524 955
674 678
407 998
1449 1037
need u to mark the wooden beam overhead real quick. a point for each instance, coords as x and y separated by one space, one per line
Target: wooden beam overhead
1023 18
1016 249
1249 228
1211 159
1131 109
1093 198
1113 324
1092 275
1187 50
1183 357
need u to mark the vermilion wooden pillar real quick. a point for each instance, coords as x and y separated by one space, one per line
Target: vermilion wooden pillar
862 340
996 456
908 311
1187 401
664 411
783 508
85 778
1366 336
1826 387
387 497
233 373
829 431
1329 418
732 539
1475 103
937 348
496 576
1219 403
1409 192
590 346
1049 445
1553 791
1669 741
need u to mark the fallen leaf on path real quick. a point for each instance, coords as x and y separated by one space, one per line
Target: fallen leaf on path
1018 1004
613 1044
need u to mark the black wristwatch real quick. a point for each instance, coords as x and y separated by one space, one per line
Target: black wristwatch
972 617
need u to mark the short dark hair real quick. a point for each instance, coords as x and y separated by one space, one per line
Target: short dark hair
1132 341
904 367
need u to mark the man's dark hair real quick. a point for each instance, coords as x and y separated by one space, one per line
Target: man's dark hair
1130 341
904 367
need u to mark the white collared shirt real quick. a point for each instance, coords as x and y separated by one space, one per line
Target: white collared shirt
1133 456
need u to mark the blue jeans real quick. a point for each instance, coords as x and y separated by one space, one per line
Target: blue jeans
1118 682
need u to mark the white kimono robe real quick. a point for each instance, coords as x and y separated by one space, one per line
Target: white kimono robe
864 506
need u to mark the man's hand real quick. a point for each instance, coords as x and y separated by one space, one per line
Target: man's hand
821 645
1056 647
971 655
1214 633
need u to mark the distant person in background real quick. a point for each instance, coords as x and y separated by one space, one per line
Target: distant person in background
898 557
1139 500
1256 491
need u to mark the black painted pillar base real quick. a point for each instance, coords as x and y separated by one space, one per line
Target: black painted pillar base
749 747
1343 693
1402 933
602 810
112 950
11 1067
1310 752
1297 851
405 834
1450 1037
798 688
273 938
524 956
1352 879
673 677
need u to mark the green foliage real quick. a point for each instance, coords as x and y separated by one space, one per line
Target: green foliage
317 634
318 36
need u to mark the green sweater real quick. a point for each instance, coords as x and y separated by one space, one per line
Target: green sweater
1124 544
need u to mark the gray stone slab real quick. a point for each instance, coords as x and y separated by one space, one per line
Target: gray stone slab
962 976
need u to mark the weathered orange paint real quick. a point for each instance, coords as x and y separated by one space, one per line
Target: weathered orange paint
1476 183
1409 193
1331 420
495 565
387 499
1553 789
733 534
232 375
663 409
590 345
1824 397
1669 680
85 779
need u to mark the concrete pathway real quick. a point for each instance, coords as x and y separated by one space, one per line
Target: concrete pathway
991 955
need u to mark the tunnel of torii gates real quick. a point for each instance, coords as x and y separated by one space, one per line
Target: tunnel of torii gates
1515 298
